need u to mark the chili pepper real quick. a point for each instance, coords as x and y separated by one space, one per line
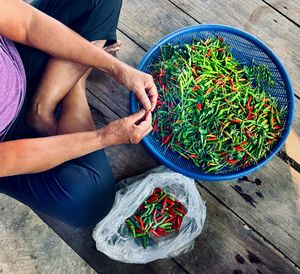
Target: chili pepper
232 161
209 90
238 148
199 106
221 73
166 140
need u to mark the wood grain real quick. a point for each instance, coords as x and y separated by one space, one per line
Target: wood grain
290 8
28 245
224 237
266 217
274 212
82 242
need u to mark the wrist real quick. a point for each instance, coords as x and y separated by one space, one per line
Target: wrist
105 138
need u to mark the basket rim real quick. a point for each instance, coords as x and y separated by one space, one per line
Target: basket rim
279 65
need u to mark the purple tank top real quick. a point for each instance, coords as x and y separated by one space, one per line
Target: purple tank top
12 84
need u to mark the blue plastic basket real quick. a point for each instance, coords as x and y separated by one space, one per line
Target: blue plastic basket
245 48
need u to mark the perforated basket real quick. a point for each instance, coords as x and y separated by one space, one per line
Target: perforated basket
245 48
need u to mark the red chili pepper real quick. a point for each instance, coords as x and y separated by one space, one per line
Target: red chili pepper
269 141
250 108
248 133
248 102
209 90
155 127
193 47
154 232
211 138
175 65
166 140
232 161
277 127
179 221
159 218
138 230
199 106
171 104
195 88
160 231
220 50
164 203
236 120
238 148
154 215
161 73
158 103
243 143
220 39
152 199
250 116
141 223
180 210
194 156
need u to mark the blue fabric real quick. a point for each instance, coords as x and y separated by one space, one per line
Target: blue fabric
79 192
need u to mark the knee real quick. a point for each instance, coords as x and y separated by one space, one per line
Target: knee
91 198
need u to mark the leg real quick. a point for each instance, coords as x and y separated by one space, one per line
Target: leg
79 192
94 20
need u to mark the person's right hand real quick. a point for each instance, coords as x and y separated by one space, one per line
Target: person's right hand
131 129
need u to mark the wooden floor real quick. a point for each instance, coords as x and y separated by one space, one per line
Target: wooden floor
257 219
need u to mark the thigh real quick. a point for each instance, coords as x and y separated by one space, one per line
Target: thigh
80 192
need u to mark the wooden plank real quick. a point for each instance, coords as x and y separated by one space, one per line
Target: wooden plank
224 237
271 208
254 16
290 8
28 245
271 217
82 242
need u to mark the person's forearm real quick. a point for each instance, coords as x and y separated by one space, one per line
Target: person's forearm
36 155
41 31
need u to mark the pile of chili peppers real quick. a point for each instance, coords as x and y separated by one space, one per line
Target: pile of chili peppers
158 216
213 111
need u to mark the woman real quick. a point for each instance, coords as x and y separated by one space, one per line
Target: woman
60 168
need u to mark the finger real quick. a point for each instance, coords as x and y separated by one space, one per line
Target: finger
153 94
147 121
144 99
148 131
137 115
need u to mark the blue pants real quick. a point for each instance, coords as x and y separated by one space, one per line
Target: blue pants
79 192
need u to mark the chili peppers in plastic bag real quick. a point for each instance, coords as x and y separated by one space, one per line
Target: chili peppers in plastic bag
211 109
159 215
123 233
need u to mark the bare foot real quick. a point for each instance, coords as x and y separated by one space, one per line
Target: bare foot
112 49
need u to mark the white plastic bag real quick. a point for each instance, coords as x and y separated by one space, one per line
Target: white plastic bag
114 238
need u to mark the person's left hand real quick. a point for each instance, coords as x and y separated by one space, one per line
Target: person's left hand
140 83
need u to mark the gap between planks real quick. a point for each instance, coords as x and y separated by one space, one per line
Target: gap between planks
248 225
